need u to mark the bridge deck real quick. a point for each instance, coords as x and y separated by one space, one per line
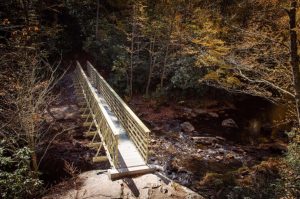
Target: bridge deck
129 159
128 153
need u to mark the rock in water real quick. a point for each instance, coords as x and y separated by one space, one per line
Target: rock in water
230 123
187 127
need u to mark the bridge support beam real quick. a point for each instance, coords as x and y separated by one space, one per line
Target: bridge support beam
116 174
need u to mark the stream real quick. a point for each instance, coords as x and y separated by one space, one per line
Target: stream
219 139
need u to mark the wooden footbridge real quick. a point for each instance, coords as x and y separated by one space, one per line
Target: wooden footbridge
112 125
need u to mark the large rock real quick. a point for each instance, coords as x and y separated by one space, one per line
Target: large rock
187 127
229 123
150 186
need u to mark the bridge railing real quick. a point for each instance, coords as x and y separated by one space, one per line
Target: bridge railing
109 133
135 128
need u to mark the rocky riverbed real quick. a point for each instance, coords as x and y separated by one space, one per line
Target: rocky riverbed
210 147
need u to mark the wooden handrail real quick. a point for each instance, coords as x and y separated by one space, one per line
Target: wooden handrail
135 128
109 133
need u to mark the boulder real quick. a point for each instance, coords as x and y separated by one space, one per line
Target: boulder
93 186
229 123
187 127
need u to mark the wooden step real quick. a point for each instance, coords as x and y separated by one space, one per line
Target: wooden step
94 145
89 134
99 159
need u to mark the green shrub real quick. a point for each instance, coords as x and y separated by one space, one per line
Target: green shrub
16 178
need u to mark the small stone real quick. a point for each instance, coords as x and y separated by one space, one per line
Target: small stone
229 123
187 110
200 111
230 156
153 141
214 115
181 102
187 127
220 138
141 114
219 157
157 128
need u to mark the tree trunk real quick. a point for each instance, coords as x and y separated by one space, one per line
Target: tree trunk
34 161
294 55
133 25
164 66
131 63
97 20
24 5
151 64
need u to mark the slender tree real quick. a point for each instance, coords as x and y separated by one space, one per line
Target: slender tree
294 54
97 19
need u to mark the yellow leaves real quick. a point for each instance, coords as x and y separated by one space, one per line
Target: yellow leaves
190 51
211 42
222 77
209 59
211 76
233 81
178 18
211 49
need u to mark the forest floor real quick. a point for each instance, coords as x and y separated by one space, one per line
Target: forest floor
192 143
